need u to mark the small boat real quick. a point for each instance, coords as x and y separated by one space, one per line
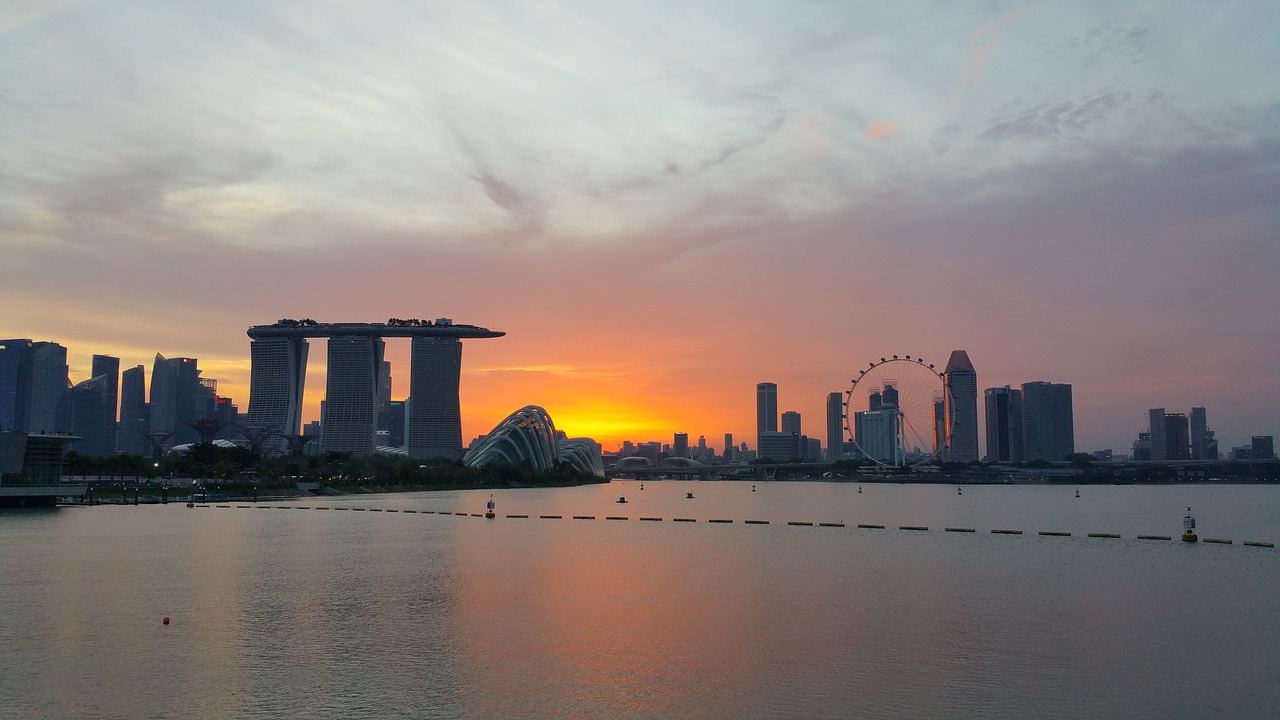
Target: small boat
1077 492
622 499
859 489
688 496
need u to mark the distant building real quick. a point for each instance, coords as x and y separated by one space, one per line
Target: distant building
1048 428
680 445
394 422
175 385
779 446
1003 407
791 422
435 412
351 394
109 366
962 384
1156 428
835 426
93 417
766 410
876 433
1141 450
1262 447
1200 435
1142 447
46 389
1177 437
31 469
135 420
277 378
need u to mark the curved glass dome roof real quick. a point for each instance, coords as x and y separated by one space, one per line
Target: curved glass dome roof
528 437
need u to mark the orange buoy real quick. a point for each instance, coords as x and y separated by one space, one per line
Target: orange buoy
166 620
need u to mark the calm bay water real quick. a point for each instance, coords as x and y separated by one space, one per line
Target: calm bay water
281 613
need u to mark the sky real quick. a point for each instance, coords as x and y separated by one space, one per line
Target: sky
661 203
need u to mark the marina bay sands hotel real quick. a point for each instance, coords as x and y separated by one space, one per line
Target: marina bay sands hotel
349 419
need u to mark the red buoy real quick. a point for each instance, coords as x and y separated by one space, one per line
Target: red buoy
166 620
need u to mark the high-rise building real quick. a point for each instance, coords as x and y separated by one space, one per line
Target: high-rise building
680 445
276 380
435 414
876 433
1003 415
135 422
108 366
835 426
779 446
1262 447
1177 437
348 422
1048 426
766 410
962 385
1200 435
1157 429
47 388
93 417
15 368
175 387
791 422
396 423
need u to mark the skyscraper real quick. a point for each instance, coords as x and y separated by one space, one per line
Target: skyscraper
835 426
131 431
1048 431
1003 415
276 381
351 394
92 417
46 388
175 385
1157 428
766 410
680 445
791 422
962 385
15 359
435 413
109 367
1200 435
1177 437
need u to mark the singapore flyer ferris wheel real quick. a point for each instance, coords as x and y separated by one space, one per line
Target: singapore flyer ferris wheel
896 412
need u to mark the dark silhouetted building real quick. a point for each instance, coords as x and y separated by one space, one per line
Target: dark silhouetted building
766 412
962 384
435 411
135 421
1048 429
1003 415
93 417
351 394
835 426
1262 447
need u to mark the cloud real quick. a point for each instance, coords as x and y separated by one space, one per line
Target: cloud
983 43
881 130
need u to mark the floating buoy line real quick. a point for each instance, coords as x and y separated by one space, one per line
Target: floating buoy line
1189 522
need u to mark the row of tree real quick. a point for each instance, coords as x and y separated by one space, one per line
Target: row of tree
244 466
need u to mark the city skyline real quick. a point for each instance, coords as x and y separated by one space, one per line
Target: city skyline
662 206
288 364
